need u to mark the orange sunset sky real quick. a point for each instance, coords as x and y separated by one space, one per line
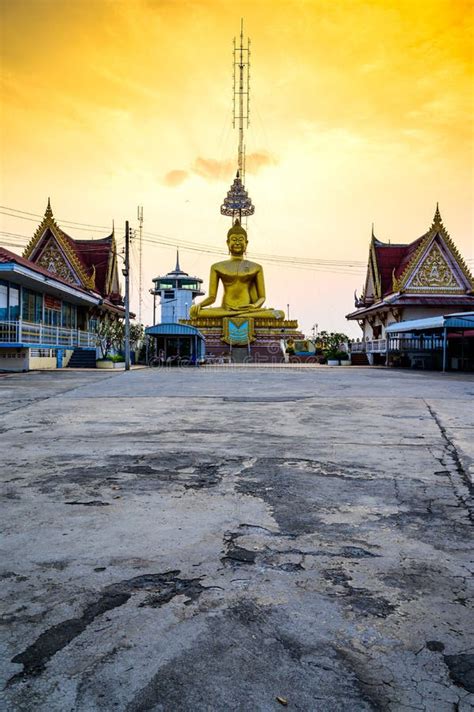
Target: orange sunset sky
361 112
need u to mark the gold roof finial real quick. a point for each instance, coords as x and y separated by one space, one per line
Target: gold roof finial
48 212
437 220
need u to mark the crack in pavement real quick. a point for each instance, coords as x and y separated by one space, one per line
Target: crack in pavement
162 586
458 466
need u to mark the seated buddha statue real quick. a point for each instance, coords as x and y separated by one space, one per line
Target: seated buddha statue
244 286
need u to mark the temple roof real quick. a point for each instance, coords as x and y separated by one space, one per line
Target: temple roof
431 263
95 255
6 257
91 264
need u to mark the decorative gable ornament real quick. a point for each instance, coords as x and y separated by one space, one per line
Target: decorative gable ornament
53 259
434 273
51 246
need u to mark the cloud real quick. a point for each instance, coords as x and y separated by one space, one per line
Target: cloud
175 178
212 169
259 159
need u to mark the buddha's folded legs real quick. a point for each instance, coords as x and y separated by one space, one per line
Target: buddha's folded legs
254 313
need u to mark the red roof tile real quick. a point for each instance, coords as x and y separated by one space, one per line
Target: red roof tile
388 258
96 253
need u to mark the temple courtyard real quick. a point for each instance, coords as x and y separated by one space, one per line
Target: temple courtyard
241 539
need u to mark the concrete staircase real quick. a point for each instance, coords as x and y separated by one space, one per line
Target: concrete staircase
359 358
82 358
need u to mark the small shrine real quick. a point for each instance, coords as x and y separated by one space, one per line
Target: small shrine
241 328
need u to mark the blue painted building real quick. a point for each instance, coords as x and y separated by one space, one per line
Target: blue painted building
52 298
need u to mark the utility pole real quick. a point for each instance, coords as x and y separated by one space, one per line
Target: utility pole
126 274
140 259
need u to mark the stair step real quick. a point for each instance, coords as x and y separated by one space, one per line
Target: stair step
82 358
359 359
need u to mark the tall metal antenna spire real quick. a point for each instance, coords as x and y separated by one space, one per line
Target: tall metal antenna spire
241 112
237 203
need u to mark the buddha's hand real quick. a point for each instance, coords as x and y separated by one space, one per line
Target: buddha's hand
194 311
244 308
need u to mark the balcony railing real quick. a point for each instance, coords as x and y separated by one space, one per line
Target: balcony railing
29 333
416 343
376 346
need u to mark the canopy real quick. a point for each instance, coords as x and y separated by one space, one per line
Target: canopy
173 329
463 320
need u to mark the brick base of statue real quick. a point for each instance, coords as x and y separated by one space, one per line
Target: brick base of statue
245 339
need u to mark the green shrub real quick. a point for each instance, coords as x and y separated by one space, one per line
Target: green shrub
116 358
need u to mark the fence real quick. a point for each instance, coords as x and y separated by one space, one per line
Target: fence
376 346
29 333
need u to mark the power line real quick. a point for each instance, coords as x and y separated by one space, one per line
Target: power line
165 240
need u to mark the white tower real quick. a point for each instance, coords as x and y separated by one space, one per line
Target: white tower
177 291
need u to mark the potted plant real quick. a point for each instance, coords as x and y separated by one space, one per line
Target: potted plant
109 337
344 358
332 357
332 343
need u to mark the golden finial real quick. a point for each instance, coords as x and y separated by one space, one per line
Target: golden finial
437 220
48 212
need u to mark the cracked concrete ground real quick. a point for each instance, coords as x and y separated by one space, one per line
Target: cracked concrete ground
218 539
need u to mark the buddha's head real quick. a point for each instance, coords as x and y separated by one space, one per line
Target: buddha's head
237 239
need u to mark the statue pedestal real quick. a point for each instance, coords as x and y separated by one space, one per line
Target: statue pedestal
245 339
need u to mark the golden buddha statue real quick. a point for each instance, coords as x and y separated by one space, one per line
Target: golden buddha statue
244 286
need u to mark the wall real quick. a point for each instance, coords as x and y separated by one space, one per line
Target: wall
67 357
42 363
172 310
13 359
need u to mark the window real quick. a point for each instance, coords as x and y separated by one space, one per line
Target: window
14 304
9 302
69 316
3 301
52 317
32 306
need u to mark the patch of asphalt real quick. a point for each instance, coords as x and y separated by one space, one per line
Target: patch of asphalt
162 587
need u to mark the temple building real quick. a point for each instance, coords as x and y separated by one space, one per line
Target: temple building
53 297
412 282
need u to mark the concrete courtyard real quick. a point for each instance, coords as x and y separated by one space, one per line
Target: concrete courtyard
237 539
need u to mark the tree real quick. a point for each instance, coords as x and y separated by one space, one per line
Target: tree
109 336
332 343
137 332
